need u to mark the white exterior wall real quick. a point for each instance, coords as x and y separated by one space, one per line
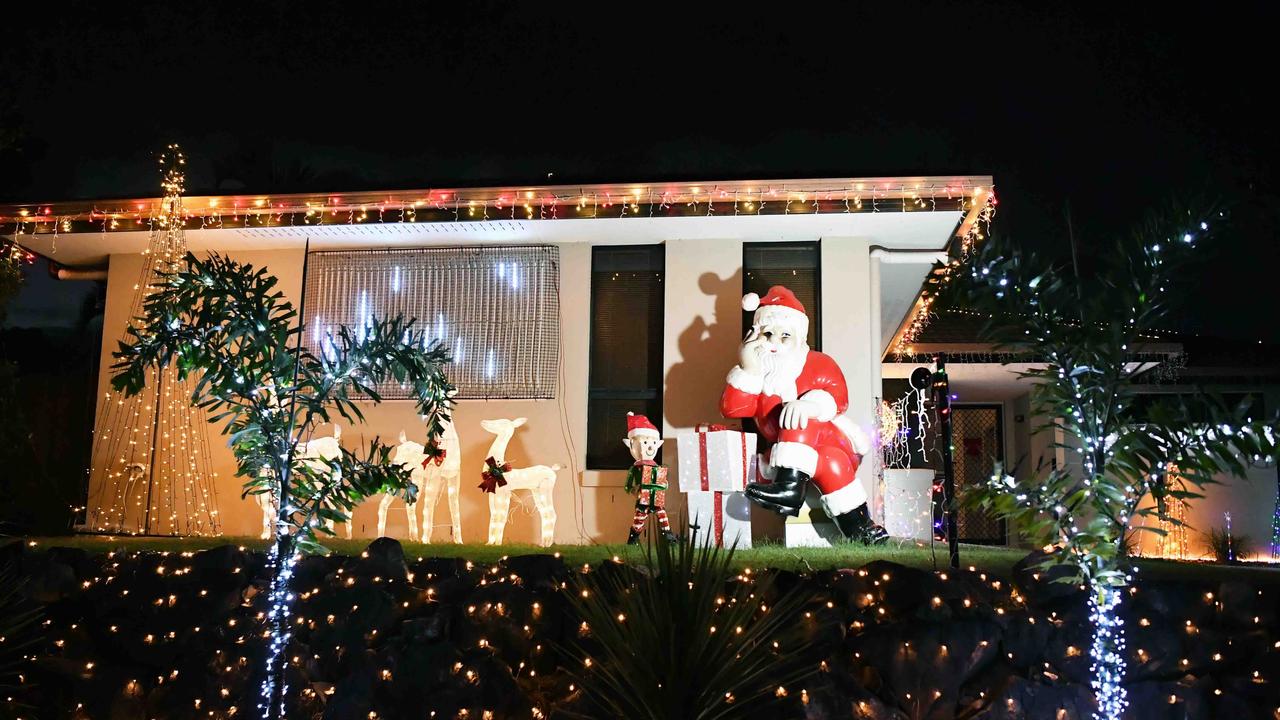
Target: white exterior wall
703 289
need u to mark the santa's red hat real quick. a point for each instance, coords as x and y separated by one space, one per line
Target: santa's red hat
639 425
779 306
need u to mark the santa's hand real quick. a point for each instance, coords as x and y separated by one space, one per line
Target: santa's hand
751 354
796 414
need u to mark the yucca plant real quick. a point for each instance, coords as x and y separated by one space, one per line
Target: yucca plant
687 636
19 633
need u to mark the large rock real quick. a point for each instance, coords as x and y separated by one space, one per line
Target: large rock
537 572
383 558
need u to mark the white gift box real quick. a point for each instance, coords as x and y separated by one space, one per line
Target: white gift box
715 459
722 518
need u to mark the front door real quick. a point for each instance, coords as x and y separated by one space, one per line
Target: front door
978 439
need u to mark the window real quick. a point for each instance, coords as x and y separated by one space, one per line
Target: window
792 265
626 347
497 309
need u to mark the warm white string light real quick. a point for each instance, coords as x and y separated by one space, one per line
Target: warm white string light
151 471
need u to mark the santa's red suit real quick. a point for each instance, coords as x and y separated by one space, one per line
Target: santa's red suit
829 446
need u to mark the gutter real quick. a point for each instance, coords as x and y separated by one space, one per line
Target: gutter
59 271
892 257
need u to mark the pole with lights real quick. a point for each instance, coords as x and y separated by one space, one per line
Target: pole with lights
942 405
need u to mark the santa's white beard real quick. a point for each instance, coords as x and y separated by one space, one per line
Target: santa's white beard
782 369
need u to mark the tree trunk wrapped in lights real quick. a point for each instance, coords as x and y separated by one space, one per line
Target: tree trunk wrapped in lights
1087 331
225 325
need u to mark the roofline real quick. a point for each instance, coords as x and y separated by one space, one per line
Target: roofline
795 195
964 228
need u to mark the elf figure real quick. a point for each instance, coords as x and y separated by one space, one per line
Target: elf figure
646 476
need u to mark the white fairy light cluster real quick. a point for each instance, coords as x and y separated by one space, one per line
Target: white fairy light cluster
1107 653
279 603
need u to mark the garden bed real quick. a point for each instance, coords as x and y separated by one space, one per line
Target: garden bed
462 631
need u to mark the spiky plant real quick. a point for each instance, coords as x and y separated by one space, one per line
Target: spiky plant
1228 546
687 637
19 633
226 324
1083 332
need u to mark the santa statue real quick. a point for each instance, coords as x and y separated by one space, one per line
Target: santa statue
646 477
797 398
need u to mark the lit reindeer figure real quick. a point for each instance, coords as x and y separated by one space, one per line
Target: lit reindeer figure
321 449
429 475
539 480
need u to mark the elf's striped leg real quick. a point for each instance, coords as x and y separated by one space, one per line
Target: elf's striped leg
637 523
662 519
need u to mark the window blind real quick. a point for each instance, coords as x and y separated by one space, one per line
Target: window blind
792 265
626 347
496 309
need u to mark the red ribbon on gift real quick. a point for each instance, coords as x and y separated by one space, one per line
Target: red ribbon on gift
717 513
493 476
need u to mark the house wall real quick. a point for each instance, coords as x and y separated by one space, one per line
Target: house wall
1251 499
703 286
555 433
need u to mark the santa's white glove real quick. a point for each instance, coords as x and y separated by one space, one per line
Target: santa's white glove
754 357
796 414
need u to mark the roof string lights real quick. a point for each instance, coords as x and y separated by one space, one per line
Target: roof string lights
550 203
972 233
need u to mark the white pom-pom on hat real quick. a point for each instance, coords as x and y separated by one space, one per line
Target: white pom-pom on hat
750 302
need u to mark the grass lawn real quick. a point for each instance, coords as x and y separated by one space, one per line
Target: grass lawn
997 560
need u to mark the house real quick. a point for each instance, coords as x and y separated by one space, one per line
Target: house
566 305
993 422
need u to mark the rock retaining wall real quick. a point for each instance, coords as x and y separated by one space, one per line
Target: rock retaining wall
156 635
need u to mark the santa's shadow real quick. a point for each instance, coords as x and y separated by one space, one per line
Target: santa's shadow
707 350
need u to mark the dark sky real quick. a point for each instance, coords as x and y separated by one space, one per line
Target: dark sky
1112 108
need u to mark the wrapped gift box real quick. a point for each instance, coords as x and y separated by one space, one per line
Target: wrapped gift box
722 518
715 458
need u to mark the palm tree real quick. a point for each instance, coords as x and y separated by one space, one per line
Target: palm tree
224 323
1085 332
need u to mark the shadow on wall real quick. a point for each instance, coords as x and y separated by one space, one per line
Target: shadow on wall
694 384
707 352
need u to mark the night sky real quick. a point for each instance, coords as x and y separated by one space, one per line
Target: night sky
1108 109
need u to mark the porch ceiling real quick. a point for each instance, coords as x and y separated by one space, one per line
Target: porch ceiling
987 382
896 230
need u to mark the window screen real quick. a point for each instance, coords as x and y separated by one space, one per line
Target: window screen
497 309
626 347
792 265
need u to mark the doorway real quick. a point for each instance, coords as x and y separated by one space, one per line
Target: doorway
978 442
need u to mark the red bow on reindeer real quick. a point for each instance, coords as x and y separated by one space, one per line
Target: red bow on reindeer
434 453
493 476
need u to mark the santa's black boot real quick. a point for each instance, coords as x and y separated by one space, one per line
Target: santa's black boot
858 525
670 536
785 495
634 537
